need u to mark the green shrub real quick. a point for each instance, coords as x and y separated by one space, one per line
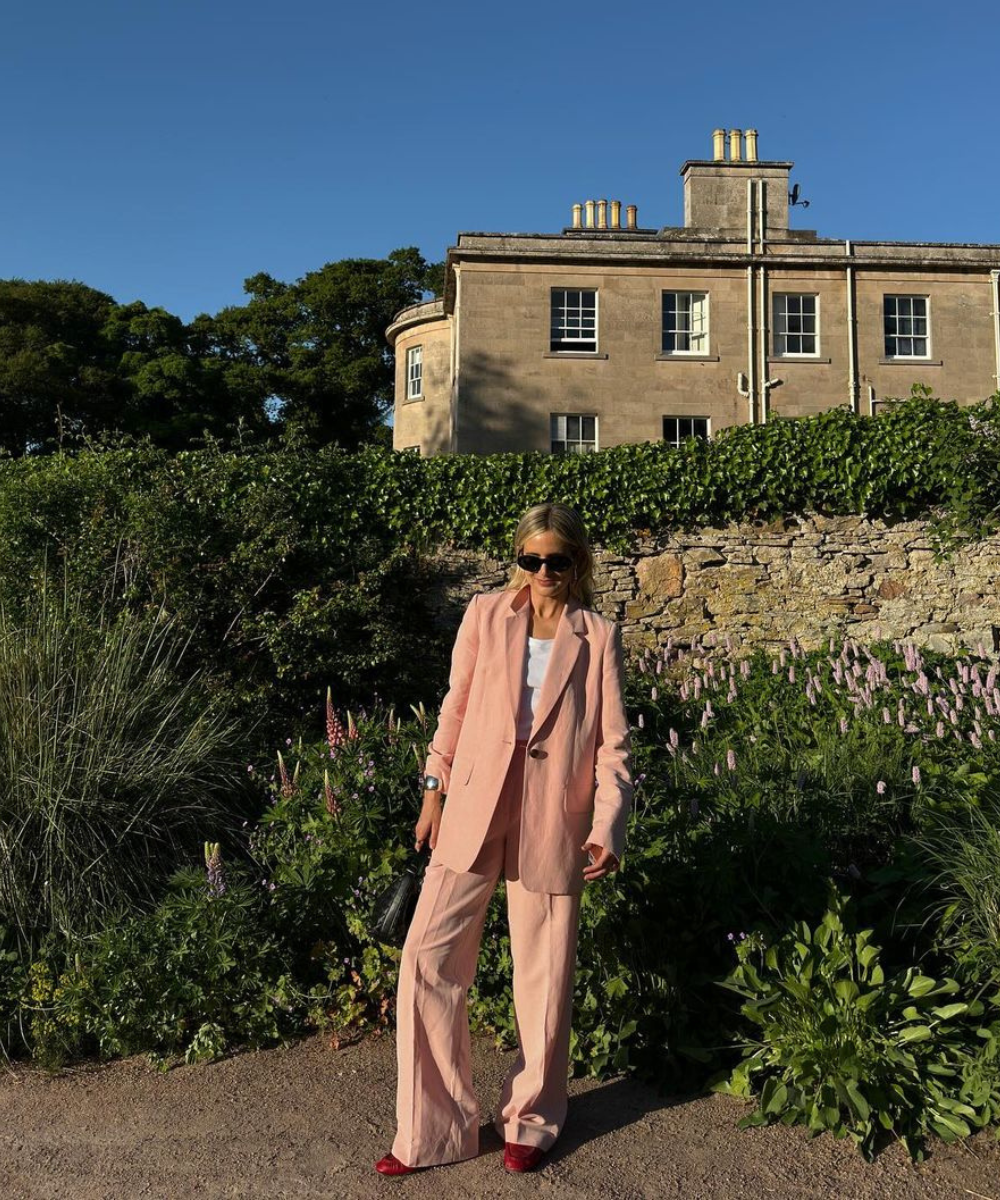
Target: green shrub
293 569
842 1048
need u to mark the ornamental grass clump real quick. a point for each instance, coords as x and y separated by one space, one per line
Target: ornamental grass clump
112 763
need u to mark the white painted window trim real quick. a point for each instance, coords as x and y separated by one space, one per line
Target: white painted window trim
775 334
706 335
562 416
569 345
684 417
928 353
415 359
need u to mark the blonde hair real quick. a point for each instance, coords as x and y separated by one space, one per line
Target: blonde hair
565 522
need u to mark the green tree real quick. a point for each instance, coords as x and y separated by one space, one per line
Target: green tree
316 349
58 373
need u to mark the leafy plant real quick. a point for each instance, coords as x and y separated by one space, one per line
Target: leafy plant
842 1048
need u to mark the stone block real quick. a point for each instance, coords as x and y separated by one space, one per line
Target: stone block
891 589
662 576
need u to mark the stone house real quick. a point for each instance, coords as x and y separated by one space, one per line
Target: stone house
608 332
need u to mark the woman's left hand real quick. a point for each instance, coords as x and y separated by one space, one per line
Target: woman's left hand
602 862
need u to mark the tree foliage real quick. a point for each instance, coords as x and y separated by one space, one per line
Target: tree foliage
304 362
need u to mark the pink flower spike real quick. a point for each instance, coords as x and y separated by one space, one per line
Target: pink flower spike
880 787
916 776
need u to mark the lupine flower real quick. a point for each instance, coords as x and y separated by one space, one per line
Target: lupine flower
880 787
974 739
674 738
716 770
654 695
334 727
642 723
843 725
791 674
731 759
886 718
332 803
916 776
213 867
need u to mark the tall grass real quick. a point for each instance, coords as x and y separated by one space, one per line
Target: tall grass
112 762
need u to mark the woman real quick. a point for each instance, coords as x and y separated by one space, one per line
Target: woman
532 749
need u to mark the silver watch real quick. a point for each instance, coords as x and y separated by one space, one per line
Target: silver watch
432 783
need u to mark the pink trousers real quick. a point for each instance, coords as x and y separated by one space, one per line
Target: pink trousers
437 1112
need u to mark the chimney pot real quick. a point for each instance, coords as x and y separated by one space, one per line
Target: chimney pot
616 214
735 145
751 136
589 208
602 214
719 144
631 216
577 216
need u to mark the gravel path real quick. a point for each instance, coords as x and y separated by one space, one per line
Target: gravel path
308 1121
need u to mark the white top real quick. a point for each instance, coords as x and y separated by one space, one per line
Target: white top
538 659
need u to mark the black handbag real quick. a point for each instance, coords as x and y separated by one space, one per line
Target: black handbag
392 911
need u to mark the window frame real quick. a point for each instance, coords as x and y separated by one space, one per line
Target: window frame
415 354
678 417
567 345
896 357
705 334
581 441
776 333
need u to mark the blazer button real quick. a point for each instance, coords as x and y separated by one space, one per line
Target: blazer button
534 752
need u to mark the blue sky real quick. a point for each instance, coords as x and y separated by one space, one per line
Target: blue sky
166 151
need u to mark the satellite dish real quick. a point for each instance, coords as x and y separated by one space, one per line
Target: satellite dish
793 197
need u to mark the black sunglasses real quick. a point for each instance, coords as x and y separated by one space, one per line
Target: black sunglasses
532 563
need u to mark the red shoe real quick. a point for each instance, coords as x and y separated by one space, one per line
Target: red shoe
390 1165
520 1158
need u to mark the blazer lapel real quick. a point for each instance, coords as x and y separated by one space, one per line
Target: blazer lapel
517 646
570 632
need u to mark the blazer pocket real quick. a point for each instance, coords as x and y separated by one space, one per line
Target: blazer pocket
463 777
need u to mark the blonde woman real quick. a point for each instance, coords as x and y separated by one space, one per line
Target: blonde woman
532 750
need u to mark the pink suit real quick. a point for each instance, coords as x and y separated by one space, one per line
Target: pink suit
525 809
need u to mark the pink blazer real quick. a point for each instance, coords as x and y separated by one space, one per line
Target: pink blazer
577 769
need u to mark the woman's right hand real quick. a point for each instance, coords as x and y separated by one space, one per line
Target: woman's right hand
429 820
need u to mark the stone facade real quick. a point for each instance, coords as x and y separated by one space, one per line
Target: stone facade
760 585
493 380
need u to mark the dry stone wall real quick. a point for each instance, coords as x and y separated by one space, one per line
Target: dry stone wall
803 577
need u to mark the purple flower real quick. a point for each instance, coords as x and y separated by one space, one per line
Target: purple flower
880 787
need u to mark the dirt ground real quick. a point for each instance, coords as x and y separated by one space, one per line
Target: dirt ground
308 1121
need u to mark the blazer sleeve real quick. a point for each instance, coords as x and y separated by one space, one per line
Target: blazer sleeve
441 751
613 760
